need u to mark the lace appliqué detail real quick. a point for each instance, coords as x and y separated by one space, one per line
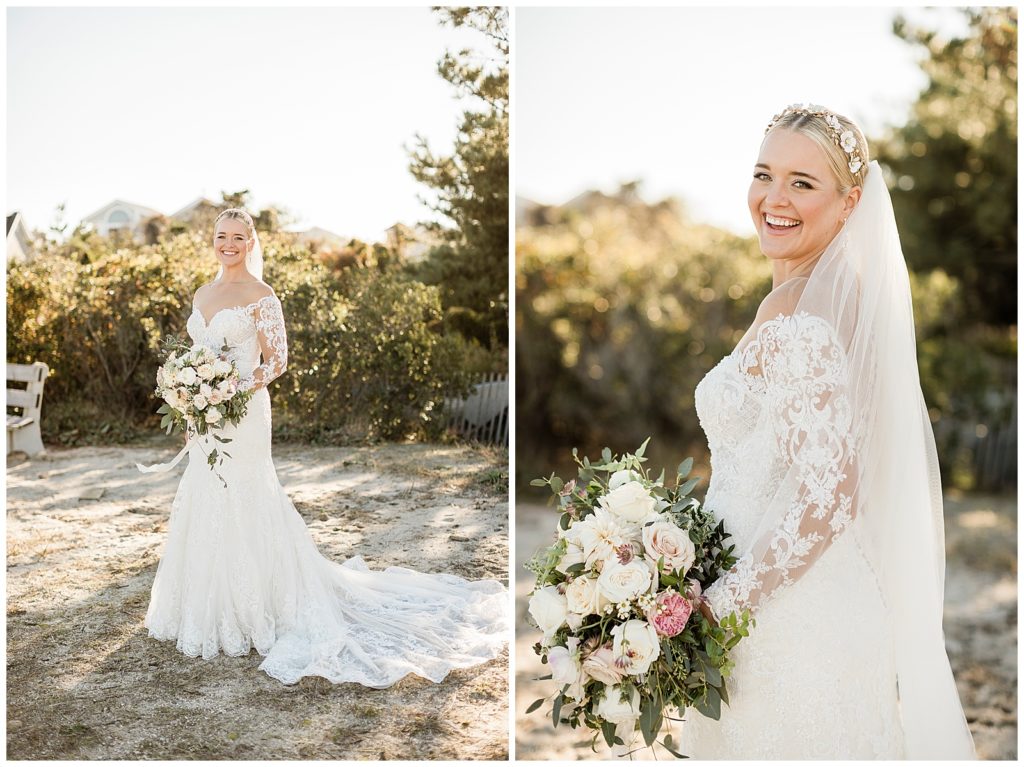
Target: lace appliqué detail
271 330
816 677
797 365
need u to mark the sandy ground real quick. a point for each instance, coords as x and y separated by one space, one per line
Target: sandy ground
84 681
980 624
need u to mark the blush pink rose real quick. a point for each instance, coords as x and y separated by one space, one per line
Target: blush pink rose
600 665
670 613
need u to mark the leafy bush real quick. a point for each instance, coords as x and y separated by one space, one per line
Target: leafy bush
366 360
622 308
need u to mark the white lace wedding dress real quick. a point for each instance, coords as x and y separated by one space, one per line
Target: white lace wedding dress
816 677
240 569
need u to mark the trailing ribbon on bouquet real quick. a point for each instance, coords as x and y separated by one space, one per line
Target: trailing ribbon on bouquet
160 468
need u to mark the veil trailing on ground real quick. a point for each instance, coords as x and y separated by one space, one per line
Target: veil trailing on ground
835 355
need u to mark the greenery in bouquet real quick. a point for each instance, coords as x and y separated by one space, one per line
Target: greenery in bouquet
200 390
627 634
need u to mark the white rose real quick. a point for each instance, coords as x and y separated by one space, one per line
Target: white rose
631 502
621 477
221 367
664 539
635 645
573 556
205 371
599 535
612 709
548 609
623 582
187 376
199 402
565 667
215 397
583 597
213 415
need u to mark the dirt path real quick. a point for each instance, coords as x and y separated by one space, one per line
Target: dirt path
980 622
84 681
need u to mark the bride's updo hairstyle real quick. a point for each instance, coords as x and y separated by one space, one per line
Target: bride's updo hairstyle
838 136
239 215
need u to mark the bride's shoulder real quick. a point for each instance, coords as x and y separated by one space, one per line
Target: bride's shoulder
258 290
783 300
201 291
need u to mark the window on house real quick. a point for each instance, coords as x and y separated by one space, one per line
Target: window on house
117 220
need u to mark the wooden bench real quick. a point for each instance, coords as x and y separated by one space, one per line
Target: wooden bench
23 426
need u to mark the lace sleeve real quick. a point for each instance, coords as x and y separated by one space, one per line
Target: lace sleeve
273 343
804 374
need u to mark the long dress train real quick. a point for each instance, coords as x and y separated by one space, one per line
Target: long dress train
240 569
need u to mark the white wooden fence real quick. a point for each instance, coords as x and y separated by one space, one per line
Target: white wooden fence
482 416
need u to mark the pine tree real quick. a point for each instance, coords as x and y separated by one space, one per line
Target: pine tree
954 163
470 266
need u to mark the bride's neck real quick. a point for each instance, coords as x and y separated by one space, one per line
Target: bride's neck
783 271
236 273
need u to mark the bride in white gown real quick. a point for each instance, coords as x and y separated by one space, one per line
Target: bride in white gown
824 470
240 569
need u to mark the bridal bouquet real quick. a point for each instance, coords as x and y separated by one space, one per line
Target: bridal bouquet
199 388
618 597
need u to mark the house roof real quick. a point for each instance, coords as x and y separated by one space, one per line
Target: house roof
316 233
197 202
97 214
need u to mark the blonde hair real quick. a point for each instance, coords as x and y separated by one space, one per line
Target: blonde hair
811 122
239 215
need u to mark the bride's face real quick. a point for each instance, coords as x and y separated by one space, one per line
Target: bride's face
794 198
231 242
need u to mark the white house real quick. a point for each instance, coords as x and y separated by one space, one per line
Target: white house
198 205
322 239
19 241
120 215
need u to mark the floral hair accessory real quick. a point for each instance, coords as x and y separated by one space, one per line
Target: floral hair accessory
844 139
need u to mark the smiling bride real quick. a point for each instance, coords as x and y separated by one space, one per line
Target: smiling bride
240 569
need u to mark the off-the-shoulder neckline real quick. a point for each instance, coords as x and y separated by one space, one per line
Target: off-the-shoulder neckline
206 323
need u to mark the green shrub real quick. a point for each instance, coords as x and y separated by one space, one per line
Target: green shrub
622 307
366 358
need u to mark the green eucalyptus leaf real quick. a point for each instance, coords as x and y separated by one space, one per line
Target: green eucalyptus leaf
648 714
684 468
670 747
608 730
690 484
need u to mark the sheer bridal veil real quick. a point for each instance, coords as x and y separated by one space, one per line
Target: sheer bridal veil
842 352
